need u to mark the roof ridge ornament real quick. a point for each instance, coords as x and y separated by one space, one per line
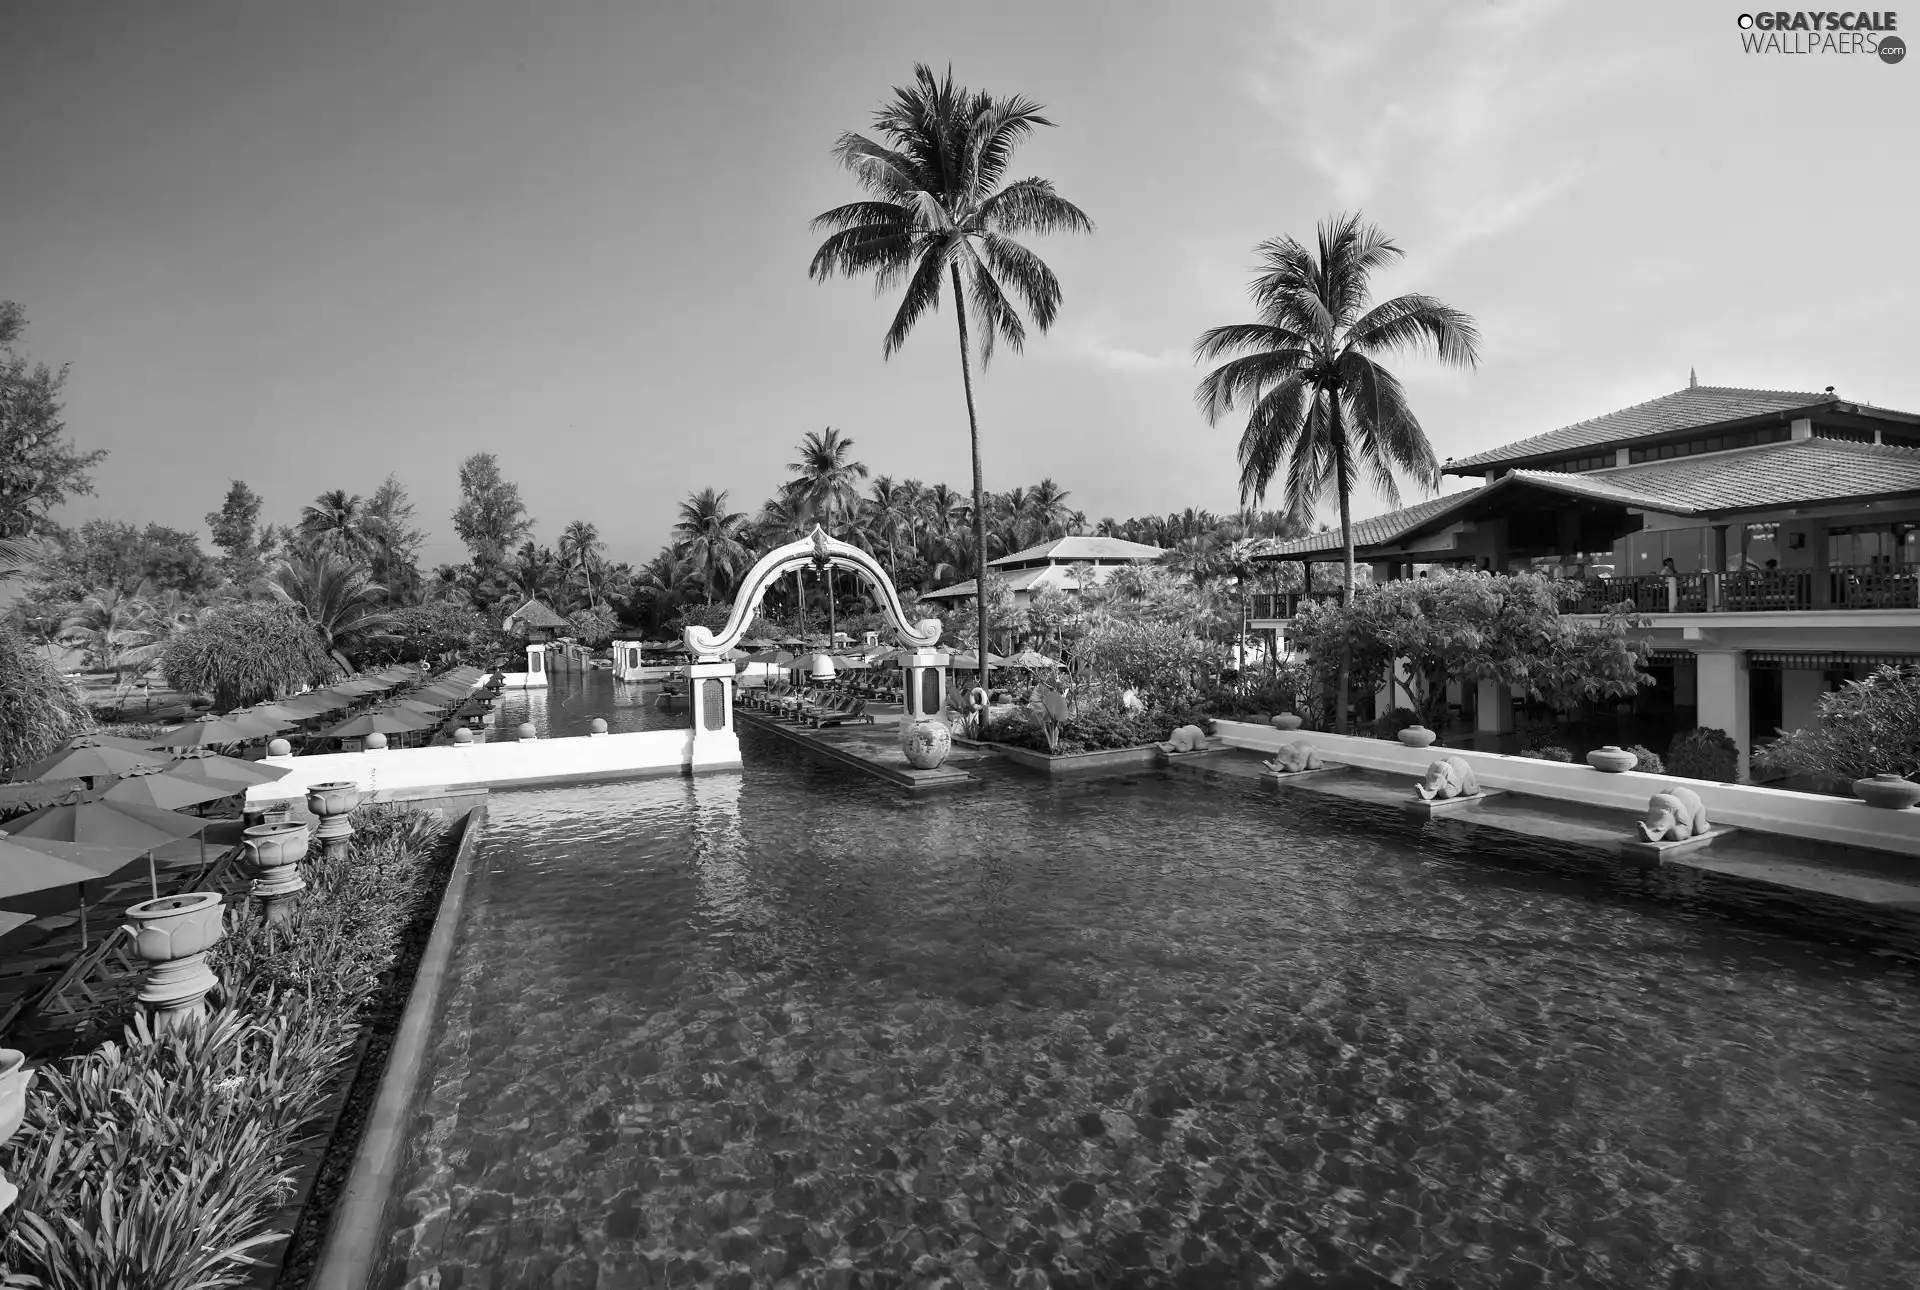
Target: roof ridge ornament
1693 379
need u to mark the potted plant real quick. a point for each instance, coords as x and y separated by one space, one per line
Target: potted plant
1612 759
1888 790
15 1076
172 935
275 847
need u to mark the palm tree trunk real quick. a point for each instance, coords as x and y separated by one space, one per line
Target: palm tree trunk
979 505
1346 546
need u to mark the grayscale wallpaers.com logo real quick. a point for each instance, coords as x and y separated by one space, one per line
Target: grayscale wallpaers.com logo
1823 33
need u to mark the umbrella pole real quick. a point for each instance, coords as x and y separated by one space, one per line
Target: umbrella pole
153 875
83 915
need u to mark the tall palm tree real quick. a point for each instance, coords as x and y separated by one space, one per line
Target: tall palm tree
339 523
580 552
341 600
1050 507
1320 409
939 207
711 539
110 624
888 514
825 488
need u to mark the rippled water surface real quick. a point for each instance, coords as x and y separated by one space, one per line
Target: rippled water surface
789 1028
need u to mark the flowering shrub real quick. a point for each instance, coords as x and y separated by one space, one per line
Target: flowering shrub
1865 728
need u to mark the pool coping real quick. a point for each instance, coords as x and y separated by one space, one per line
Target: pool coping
347 1257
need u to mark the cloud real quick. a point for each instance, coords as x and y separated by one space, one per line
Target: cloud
1091 343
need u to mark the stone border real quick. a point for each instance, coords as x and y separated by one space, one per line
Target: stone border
1139 757
347 1258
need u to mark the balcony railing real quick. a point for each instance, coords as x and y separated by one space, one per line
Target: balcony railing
1754 591
1284 604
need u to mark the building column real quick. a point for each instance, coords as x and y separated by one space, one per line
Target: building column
1716 563
1724 702
924 693
710 695
536 663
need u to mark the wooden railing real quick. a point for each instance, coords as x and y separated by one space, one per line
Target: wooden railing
1284 604
1753 591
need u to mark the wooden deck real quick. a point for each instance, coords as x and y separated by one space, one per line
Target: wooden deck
871 749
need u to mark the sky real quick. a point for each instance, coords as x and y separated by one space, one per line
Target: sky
309 245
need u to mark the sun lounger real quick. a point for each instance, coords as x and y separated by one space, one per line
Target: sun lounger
855 711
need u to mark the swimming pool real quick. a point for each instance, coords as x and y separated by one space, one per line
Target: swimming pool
786 1026
571 700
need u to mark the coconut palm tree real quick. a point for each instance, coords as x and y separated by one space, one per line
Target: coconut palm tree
711 540
341 600
533 572
889 513
339 523
825 487
109 624
580 554
940 208
1320 408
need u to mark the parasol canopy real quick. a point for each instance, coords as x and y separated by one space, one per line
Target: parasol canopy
262 725
92 822
971 662
157 786
88 758
420 705
205 732
204 767
385 722
35 864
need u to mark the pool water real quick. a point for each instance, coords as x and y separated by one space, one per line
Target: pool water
571 700
786 1027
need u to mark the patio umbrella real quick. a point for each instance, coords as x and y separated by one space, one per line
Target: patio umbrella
29 866
759 642
129 743
361 685
263 724
158 787
292 710
126 826
317 702
857 662
420 705
204 767
208 730
385 723
89 759
971 662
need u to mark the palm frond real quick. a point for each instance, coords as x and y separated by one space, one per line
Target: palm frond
923 294
1273 434
1415 322
1027 274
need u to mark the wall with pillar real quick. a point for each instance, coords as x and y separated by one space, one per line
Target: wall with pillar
1725 701
924 691
715 745
626 661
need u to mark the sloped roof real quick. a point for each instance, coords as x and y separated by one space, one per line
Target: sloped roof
1369 532
1695 407
1018 580
1067 550
1797 473
536 614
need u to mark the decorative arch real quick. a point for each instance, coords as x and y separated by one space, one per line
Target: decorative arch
816 548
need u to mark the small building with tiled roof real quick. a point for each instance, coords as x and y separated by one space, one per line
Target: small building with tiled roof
1770 538
1051 563
536 622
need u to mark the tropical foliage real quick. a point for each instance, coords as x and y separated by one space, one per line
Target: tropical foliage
248 652
39 708
1865 728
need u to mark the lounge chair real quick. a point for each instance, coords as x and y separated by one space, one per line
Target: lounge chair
854 711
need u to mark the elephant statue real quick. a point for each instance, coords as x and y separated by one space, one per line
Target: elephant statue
1674 816
1185 739
1448 778
1294 757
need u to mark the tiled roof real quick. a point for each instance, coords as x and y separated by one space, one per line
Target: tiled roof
1067 550
536 614
1797 473
1371 532
1018 580
1693 407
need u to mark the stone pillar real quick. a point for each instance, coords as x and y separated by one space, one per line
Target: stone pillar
1493 710
710 695
332 803
536 664
1724 698
924 695
172 936
626 660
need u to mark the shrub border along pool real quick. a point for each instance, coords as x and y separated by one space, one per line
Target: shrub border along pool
352 1242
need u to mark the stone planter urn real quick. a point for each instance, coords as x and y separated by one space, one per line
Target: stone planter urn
276 851
926 744
1893 792
14 1079
172 936
1417 737
1614 759
527 731
1286 721
333 802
